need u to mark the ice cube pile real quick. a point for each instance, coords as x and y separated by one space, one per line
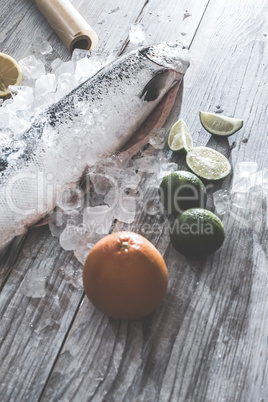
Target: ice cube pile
110 192
45 82
247 199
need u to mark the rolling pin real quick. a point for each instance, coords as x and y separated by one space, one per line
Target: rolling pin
68 24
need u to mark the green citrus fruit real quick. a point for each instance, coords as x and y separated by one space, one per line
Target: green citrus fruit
197 233
220 125
208 163
180 138
182 190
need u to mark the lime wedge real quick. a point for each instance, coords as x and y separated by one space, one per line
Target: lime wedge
220 125
208 163
180 138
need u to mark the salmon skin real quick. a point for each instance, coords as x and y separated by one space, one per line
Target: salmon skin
97 118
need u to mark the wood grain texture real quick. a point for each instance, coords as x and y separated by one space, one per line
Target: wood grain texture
208 340
197 346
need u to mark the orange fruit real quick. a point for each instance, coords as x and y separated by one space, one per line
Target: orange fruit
125 276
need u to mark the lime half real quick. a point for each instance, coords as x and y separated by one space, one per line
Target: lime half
180 138
197 233
220 125
207 163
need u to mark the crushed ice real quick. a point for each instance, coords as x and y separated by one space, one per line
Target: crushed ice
247 200
44 83
137 34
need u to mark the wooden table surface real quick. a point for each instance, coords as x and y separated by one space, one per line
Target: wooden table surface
208 341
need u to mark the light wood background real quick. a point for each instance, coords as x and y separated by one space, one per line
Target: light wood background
208 341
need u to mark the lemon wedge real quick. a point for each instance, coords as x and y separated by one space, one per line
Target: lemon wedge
10 74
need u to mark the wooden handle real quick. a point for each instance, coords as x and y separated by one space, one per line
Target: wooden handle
69 25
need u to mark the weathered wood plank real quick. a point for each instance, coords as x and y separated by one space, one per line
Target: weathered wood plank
33 329
208 340
21 27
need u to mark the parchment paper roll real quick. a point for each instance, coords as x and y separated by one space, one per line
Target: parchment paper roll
69 25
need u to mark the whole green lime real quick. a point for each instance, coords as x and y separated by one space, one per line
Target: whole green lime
182 190
197 233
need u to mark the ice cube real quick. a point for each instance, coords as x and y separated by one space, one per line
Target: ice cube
34 284
87 67
56 229
137 33
23 98
79 54
4 118
93 199
71 235
45 85
239 200
148 164
66 67
158 138
55 64
221 200
73 217
84 69
66 82
260 178
70 199
248 208
101 183
77 280
32 67
98 219
130 178
125 210
241 178
245 169
72 274
85 245
241 185
41 46
111 198
209 203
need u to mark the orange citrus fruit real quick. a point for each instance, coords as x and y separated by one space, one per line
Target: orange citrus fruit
125 276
